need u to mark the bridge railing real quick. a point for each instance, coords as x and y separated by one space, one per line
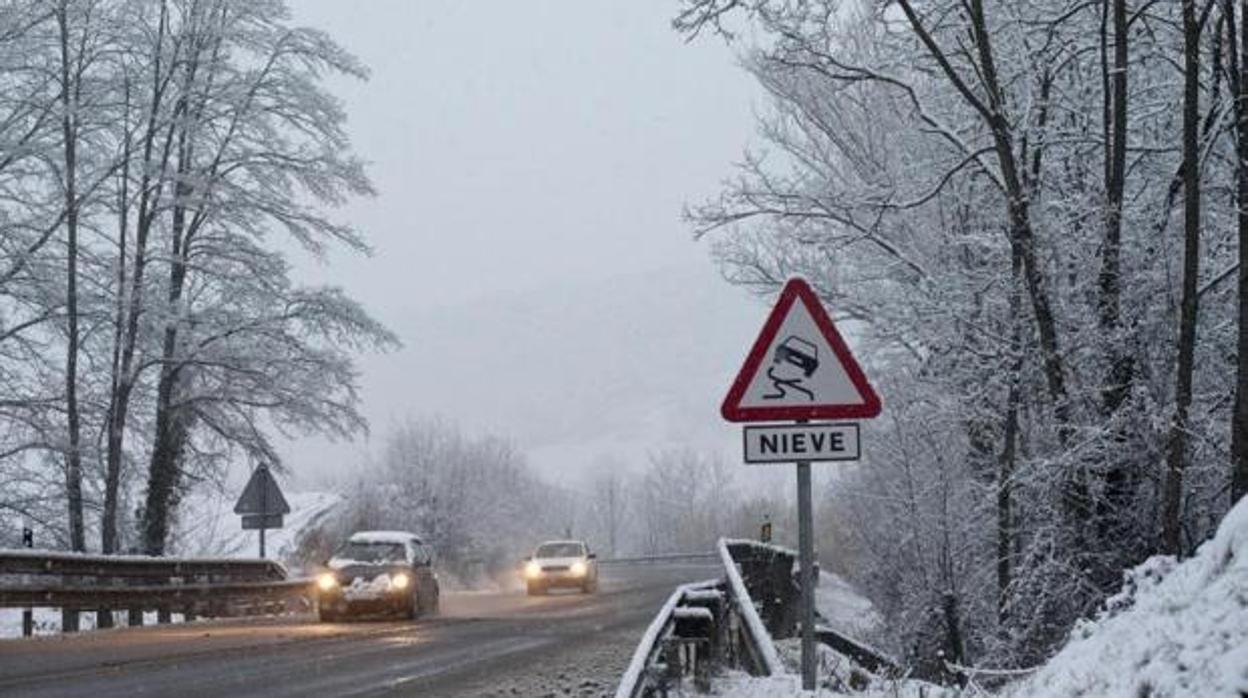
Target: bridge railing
191 586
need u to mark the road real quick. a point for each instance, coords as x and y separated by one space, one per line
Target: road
480 644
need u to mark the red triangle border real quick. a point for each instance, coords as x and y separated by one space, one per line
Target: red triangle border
797 289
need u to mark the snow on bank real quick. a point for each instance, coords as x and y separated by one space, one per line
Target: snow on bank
1175 630
844 609
47 621
208 526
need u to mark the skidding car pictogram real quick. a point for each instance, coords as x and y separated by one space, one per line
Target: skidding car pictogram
793 352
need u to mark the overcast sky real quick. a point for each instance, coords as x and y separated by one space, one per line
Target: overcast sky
537 151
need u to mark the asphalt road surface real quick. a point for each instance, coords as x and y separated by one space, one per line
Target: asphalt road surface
481 644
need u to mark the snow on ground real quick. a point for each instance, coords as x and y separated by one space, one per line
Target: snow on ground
47 621
208 526
1175 630
844 609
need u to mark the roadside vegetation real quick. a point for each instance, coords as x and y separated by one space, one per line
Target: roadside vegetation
1033 216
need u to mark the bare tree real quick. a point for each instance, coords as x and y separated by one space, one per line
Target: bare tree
1176 445
1239 417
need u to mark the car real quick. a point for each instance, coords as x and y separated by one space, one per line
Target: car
379 572
561 563
799 352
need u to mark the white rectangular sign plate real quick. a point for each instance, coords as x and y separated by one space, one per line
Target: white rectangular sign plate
787 443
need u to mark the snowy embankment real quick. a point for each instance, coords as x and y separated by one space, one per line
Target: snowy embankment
1174 630
844 609
208 528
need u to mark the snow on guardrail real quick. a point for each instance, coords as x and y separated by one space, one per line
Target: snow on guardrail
651 641
766 648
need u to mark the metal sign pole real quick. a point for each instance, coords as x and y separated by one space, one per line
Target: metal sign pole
264 503
806 552
28 616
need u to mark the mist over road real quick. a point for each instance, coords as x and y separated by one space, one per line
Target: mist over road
481 644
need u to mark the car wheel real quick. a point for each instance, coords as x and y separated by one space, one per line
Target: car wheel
327 616
412 612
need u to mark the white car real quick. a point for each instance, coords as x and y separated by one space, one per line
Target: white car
561 563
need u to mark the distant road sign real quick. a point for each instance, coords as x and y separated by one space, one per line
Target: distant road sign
253 522
786 443
262 495
799 368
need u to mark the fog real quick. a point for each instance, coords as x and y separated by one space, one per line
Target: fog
531 162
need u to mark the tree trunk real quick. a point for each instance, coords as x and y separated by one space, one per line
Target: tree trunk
127 342
1176 447
164 473
171 423
117 403
1239 418
1009 454
69 132
1114 82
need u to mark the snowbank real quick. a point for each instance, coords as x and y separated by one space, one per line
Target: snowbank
844 609
1175 629
208 526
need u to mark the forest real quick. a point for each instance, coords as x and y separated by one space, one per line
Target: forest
1032 215
160 162
1029 217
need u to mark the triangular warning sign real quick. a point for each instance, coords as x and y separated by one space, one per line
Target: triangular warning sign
261 495
799 368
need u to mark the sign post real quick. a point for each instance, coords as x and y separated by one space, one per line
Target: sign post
800 369
261 504
28 617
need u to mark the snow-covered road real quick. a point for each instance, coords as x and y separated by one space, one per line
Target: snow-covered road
482 644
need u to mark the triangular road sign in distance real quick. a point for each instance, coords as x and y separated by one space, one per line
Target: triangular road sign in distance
262 495
799 368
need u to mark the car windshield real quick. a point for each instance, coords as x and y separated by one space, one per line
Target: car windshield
559 550
371 552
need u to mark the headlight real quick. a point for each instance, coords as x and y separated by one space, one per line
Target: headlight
327 581
532 570
579 569
400 581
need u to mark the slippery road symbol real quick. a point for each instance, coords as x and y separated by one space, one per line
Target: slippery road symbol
793 353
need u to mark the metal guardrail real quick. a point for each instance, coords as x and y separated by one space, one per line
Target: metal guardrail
760 643
27 561
702 628
759 593
660 558
650 670
190 586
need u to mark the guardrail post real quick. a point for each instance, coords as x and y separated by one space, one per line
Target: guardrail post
69 621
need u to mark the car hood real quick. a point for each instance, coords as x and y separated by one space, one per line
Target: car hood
351 569
558 561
